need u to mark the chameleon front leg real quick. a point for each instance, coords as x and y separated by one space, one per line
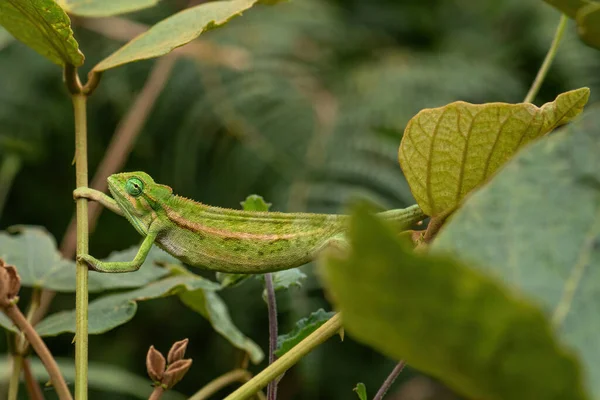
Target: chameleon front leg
96 195
122 266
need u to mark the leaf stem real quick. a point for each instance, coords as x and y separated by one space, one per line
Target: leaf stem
389 380
81 291
157 393
40 348
272 309
327 330
11 164
541 75
13 383
237 375
33 388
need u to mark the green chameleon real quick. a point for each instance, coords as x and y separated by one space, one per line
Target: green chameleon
219 239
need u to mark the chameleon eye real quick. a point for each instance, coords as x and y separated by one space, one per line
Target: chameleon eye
134 187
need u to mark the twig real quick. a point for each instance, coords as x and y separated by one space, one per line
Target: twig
237 375
13 383
389 381
157 393
541 75
33 388
325 331
272 309
41 350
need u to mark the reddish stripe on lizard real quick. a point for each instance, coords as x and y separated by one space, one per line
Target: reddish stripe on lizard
197 227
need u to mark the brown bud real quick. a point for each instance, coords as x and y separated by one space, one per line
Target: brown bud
175 372
155 364
177 351
10 283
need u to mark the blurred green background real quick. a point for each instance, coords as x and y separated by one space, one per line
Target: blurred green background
305 105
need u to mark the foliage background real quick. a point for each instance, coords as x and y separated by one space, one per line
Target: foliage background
312 122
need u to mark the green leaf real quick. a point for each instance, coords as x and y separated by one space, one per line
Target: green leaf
588 24
568 7
255 202
231 280
176 31
104 8
536 226
108 378
448 151
447 320
39 263
43 26
361 391
302 329
208 304
110 311
283 280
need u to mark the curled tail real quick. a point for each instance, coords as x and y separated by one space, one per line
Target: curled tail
404 217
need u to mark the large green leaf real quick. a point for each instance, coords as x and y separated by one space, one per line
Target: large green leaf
536 226
43 26
208 304
102 377
104 8
39 263
111 311
176 31
447 319
568 7
588 24
448 151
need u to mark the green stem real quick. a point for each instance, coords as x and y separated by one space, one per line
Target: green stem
81 294
8 170
541 75
327 330
237 375
13 384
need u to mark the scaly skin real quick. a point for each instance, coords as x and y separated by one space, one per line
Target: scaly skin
219 239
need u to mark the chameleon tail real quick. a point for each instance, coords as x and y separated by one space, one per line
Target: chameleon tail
404 217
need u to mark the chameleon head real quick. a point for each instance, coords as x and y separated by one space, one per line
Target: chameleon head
139 197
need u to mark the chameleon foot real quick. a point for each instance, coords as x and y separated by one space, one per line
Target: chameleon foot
91 262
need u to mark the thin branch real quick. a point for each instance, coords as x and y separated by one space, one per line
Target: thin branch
81 268
285 362
33 387
272 309
41 350
157 393
214 386
541 75
389 381
13 383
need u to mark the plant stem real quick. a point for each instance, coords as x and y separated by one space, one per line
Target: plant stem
237 375
157 393
81 291
390 380
325 331
272 309
541 75
11 164
42 351
13 384
33 387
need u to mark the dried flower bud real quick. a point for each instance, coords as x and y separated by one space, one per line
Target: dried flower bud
10 283
155 364
175 372
177 351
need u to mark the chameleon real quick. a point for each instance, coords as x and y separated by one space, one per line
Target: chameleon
219 239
